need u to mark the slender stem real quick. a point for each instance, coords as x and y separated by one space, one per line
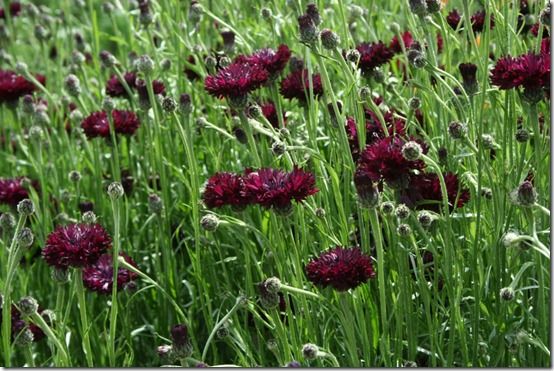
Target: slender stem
219 324
115 263
85 326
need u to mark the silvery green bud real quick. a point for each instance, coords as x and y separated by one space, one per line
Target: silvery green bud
40 117
26 207
169 104
49 316
41 32
74 176
21 68
72 85
402 212
115 190
394 27
404 230
25 238
165 64
209 222
507 293
60 276
425 219
224 61
35 132
24 338
185 104
433 6
414 103
155 203
522 135
320 212
273 285
108 60
27 305
278 148
28 104
510 239
412 151
266 13
525 195
418 7
353 56
310 351
195 13
78 58
307 28
486 193
76 116
488 141
255 111
329 39
89 217
223 331
457 130
387 208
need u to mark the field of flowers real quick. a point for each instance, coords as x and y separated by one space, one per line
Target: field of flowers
357 183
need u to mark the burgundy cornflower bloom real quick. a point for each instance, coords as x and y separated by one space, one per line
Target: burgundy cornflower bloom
530 71
272 61
469 76
15 9
383 160
297 85
236 80
18 324
407 39
341 268
373 55
453 19
97 125
478 21
277 188
224 189
14 86
76 245
158 88
99 276
12 191
424 191
440 43
270 113
114 87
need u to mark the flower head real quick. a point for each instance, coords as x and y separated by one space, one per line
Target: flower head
115 88
99 276
270 113
76 245
273 61
373 55
341 268
297 85
224 189
14 86
529 70
15 9
12 191
383 160
277 188
478 21
424 191
236 80
97 124
407 40
453 19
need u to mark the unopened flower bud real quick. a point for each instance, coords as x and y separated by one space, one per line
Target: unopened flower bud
26 207
164 350
24 338
25 238
60 276
387 208
402 212
74 176
145 64
28 305
273 285
507 293
108 60
169 104
209 222
72 85
522 135
155 204
7 221
433 6
486 193
77 58
185 104
307 28
49 316
278 148
412 151
108 104
35 132
404 230
418 7
182 348
525 195
368 194
425 219
353 56
320 212
266 13
488 141
329 39
414 103
457 130
310 351
115 190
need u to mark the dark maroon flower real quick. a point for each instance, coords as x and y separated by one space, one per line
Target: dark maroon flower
373 55
14 86
236 80
158 88
224 189
297 83
277 188
453 19
535 31
407 39
478 21
272 61
115 88
97 125
19 324
76 245
530 71
15 9
99 276
469 76
383 160
424 191
341 268
180 335
440 43
270 113
12 191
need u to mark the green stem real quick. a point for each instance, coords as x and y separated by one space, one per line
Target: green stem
84 319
